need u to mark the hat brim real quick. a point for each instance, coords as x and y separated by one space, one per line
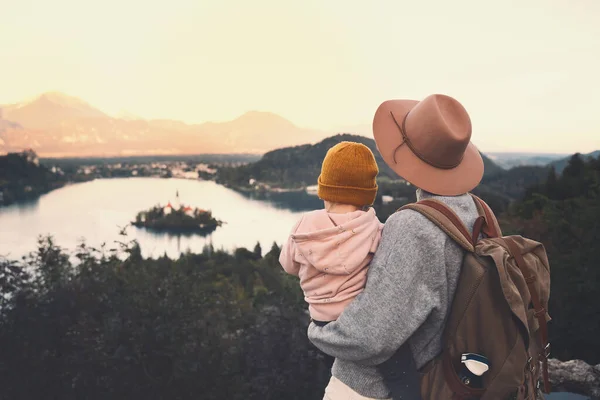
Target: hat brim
446 182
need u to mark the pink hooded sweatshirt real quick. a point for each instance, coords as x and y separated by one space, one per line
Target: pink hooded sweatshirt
330 253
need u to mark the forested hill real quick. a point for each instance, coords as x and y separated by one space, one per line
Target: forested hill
563 213
298 166
560 165
293 167
23 178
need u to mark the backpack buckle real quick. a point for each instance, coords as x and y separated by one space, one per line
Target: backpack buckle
529 366
547 351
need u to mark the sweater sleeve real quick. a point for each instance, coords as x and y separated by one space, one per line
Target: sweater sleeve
404 285
286 257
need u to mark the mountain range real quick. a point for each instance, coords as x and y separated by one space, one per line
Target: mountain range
57 125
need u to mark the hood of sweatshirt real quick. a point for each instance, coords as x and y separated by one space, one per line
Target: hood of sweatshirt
337 243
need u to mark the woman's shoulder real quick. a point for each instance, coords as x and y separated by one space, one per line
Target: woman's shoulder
408 225
405 218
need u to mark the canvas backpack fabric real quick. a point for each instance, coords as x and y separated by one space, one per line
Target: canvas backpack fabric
499 311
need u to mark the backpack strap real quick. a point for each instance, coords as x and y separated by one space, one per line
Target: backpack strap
446 219
540 311
491 227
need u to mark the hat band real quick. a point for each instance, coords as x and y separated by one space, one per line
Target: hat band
412 148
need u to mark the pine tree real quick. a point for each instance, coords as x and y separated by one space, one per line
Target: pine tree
275 250
575 167
258 250
573 180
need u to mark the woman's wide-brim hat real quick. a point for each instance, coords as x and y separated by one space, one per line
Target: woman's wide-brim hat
428 143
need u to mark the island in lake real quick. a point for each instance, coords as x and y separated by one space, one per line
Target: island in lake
177 218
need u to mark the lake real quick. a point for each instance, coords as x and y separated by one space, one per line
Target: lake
95 211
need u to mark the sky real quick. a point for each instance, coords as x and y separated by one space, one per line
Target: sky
528 72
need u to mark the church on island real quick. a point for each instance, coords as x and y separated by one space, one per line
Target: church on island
177 206
177 217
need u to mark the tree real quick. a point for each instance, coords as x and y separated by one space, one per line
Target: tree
258 250
208 249
243 254
154 328
575 167
275 250
564 215
13 279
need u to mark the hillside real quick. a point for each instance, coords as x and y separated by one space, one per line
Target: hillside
57 125
294 167
564 214
515 181
491 168
500 189
300 165
22 178
560 165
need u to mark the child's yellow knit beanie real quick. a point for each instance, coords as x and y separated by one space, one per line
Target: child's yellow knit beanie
348 175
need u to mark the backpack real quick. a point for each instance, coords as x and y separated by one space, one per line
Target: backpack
498 312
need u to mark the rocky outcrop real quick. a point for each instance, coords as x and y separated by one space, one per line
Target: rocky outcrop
575 376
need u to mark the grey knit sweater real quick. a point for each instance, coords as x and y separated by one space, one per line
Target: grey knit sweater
409 290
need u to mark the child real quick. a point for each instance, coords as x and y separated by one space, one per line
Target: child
330 249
